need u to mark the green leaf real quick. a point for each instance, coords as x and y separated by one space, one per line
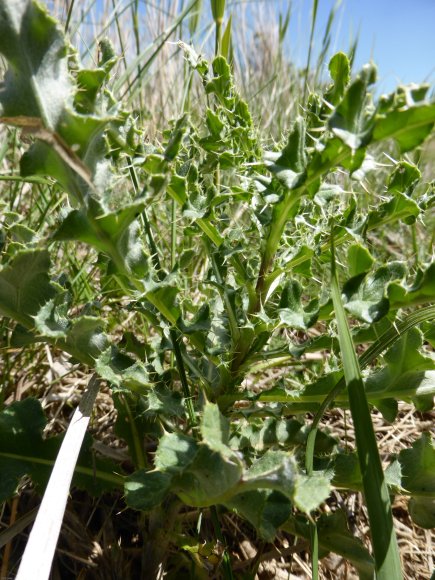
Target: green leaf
266 510
164 297
347 472
221 84
145 490
85 339
89 83
311 491
51 319
398 207
339 69
132 424
270 432
112 233
214 124
37 84
215 428
404 178
278 470
175 452
413 473
359 259
273 470
226 41
79 226
38 95
293 155
422 512
334 536
291 311
42 159
300 262
418 468
407 374
25 286
409 125
173 145
209 478
121 369
289 167
365 296
421 290
352 120
163 401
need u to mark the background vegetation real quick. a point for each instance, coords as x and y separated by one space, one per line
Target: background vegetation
201 235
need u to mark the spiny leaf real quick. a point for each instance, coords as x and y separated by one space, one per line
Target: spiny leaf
145 490
352 120
289 166
175 452
215 428
366 295
407 371
410 474
421 290
209 478
37 84
339 69
359 259
408 124
270 432
37 95
278 470
266 510
291 311
120 369
398 207
25 286
85 339
52 318
404 178
418 468
114 233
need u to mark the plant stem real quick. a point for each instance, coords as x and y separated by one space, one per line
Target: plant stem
69 14
228 573
140 462
310 48
175 337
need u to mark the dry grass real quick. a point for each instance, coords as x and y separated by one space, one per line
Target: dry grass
101 539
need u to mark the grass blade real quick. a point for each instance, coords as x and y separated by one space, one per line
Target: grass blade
376 494
310 47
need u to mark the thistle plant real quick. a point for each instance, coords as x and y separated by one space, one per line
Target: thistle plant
221 280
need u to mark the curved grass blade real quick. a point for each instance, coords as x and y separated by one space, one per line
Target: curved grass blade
384 342
385 548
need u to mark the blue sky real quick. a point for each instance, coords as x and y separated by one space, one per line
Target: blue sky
398 34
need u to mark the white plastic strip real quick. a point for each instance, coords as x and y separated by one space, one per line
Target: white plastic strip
38 555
